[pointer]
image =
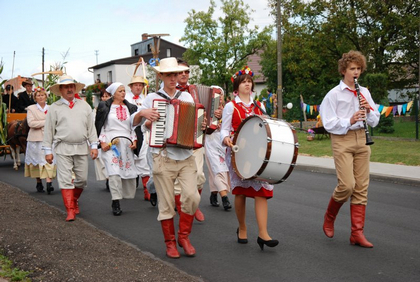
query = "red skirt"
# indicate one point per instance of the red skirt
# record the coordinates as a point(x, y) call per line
point(251, 192)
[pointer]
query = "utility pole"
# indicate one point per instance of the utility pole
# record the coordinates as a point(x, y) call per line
point(279, 67)
point(43, 60)
point(96, 53)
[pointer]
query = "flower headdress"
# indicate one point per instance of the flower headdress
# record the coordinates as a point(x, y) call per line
point(39, 89)
point(245, 70)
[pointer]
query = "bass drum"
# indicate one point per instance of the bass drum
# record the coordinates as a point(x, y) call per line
point(265, 149)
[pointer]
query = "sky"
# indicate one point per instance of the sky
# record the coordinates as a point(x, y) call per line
point(84, 27)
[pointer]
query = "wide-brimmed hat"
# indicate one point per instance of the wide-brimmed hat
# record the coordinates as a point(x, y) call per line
point(169, 65)
point(27, 81)
point(137, 79)
point(63, 80)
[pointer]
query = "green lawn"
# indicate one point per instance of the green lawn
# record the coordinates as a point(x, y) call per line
point(400, 147)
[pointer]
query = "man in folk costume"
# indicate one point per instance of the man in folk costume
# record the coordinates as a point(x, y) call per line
point(25, 98)
point(69, 129)
point(342, 113)
point(171, 163)
point(183, 85)
point(136, 96)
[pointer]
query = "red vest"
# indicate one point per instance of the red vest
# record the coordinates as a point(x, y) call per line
point(239, 114)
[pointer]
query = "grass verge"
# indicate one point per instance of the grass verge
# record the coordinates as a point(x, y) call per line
point(12, 274)
point(389, 150)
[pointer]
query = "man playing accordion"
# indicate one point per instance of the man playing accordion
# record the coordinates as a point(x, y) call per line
point(170, 163)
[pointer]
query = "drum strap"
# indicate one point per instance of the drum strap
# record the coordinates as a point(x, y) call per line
point(258, 106)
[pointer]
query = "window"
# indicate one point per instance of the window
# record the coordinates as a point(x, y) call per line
point(168, 52)
point(109, 78)
point(149, 47)
point(136, 52)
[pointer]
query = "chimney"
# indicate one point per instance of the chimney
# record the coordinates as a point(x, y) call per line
point(144, 36)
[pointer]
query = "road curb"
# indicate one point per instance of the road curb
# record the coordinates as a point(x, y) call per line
point(373, 176)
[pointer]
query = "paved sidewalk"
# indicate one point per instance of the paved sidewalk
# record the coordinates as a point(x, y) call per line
point(378, 171)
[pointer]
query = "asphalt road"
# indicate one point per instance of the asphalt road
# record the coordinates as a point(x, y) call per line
point(295, 219)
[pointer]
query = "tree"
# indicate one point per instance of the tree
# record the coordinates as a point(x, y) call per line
point(316, 33)
point(220, 47)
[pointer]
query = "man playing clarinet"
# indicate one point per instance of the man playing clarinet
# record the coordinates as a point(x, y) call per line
point(342, 115)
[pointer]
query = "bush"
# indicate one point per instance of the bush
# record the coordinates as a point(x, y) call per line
point(386, 124)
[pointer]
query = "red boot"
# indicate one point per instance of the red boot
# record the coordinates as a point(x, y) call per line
point(329, 218)
point(185, 226)
point(199, 216)
point(68, 199)
point(77, 193)
point(168, 230)
point(178, 203)
point(357, 224)
point(144, 180)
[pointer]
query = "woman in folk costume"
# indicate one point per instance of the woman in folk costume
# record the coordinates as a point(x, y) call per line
point(215, 156)
point(113, 120)
point(138, 87)
point(234, 112)
point(35, 163)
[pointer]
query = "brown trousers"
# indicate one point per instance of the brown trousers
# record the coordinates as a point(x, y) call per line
point(351, 158)
point(165, 172)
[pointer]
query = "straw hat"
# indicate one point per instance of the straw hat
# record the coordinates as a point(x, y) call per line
point(137, 79)
point(63, 80)
point(27, 81)
point(169, 65)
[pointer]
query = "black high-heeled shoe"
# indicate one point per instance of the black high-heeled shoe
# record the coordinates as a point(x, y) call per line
point(240, 241)
point(269, 243)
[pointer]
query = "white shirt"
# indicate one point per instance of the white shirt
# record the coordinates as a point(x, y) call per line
point(129, 96)
point(174, 153)
point(340, 104)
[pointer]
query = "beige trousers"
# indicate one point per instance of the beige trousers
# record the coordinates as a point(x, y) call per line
point(201, 177)
point(78, 164)
point(165, 172)
point(351, 158)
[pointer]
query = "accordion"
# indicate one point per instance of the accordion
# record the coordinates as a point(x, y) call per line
point(179, 124)
point(209, 97)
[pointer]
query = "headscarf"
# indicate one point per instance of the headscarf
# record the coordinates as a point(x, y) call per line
point(113, 87)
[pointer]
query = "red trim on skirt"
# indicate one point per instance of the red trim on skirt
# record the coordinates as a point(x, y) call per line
point(251, 193)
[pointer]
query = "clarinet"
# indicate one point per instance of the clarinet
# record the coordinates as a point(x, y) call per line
point(369, 140)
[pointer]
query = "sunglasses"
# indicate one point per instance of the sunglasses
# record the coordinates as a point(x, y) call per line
point(186, 72)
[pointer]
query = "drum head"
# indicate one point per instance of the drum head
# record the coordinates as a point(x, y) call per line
point(251, 140)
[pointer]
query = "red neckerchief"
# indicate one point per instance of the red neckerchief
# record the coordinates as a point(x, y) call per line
point(355, 95)
point(71, 104)
point(135, 97)
point(77, 96)
point(183, 88)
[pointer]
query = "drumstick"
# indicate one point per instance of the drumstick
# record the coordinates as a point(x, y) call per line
point(235, 148)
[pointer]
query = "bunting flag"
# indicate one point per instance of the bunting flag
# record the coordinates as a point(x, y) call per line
point(409, 105)
point(384, 109)
point(388, 111)
point(309, 108)
point(397, 109)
